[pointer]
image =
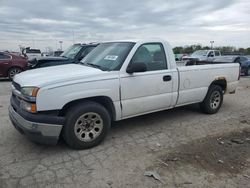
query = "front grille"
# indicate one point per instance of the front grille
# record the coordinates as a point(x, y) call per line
point(17, 86)
point(16, 99)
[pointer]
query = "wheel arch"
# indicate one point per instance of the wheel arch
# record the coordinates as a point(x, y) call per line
point(105, 101)
point(220, 81)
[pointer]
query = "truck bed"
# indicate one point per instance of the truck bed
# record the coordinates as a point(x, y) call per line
point(193, 80)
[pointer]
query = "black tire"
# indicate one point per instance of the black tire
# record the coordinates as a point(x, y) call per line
point(13, 71)
point(247, 72)
point(72, 118)
point(213, 100)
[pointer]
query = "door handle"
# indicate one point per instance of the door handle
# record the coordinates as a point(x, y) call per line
point(167, 78)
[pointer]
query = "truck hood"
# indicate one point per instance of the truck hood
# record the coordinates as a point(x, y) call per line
point(51, 75)
point(35, 61)
point(52, 58)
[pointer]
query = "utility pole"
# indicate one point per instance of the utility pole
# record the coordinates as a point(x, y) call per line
point(73, 36)
point(60, 44)
point(212, 42)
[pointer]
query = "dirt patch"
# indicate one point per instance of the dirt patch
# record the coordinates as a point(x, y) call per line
point(228, 153)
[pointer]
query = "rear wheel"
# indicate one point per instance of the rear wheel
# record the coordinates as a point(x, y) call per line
point(213, 100)
point(13, 71)
point(87, 124)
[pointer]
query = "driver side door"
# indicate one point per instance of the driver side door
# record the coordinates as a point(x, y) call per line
point(144, 92)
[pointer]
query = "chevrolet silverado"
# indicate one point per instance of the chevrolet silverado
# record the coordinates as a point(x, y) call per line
point(117, 80)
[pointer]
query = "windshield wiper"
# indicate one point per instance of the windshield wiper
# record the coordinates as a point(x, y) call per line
point(95, 66)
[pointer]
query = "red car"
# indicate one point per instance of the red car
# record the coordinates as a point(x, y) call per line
point(11, 64)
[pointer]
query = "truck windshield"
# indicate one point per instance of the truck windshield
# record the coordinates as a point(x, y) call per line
point(71, 52)
point(200, 53)
point(108, 56)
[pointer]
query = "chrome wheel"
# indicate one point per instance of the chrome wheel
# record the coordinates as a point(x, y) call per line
point(13, 72)
point(215, 100)
point(88, 126)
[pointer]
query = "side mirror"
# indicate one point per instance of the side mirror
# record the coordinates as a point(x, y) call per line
point(136, 67)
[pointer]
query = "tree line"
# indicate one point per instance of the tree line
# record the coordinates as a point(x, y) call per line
point(224, 49)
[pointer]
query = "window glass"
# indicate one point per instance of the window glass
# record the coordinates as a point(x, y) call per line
point(72, 51)
point(243, 58)
point(108, 56)
point(152, 55)
point(33, 51)
point(200, 53)
point(217, 53)
point(4, 57)
point(211, 54)
point(86, 51)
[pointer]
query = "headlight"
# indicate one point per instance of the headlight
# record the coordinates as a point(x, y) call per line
point(30, 91)
point(30, 107)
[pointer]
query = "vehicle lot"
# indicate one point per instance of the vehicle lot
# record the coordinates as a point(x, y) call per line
point(187, 148)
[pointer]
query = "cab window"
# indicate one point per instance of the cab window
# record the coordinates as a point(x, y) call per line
point(211, 54)
point(153, 55)
point(217, 53)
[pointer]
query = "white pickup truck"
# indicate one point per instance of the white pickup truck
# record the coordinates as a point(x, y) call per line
point(212, 56)
point(117, 80)
point(203, 55)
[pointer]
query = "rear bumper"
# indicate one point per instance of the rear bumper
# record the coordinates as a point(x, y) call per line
point(39, 132)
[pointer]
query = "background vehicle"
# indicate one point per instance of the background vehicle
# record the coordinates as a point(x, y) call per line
point(11, 64)
point(31, 53)
point(203, 55)
point(245, 65)
point(117, 80)
point(230, 59)
point(73, 54)
point(178, 57)
point(57, 53)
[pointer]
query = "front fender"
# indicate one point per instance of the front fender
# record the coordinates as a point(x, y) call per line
point(56, 97)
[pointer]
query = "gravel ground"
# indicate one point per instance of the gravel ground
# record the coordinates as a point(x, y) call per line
point(185, 147)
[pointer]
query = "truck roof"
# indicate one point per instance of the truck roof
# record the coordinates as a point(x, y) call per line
point(139, 40)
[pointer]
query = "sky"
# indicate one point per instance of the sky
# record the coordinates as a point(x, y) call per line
point(43, 23)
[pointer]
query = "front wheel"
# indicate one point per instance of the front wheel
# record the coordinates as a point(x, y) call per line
point(213, 100)
point(86, 126)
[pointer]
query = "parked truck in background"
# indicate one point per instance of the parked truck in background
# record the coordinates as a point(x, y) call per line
point(31, 53)
point(203, 55)
point(213, 56)
point(74, 54)
point(117, 80)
